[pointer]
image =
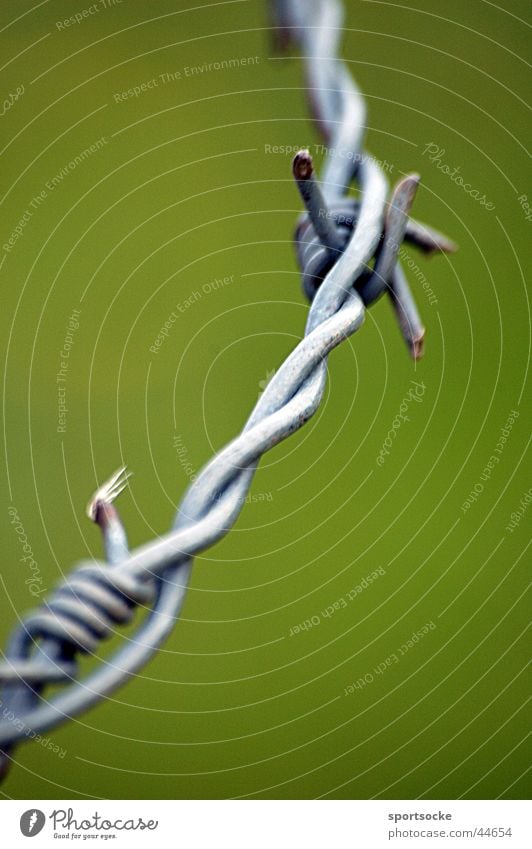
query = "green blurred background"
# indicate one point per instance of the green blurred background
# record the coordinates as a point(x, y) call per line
point(185, 190)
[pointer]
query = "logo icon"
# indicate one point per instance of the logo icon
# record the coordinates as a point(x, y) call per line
point(32, 822)
point(265, 380)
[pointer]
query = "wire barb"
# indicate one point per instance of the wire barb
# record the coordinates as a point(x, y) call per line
point(320, 216)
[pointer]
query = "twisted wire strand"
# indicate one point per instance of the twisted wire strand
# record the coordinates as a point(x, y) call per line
point(339, 282)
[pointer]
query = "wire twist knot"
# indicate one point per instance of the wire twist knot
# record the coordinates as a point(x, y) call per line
point(85, 608)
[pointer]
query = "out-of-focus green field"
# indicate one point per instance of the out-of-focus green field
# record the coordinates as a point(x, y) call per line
point(184, 206)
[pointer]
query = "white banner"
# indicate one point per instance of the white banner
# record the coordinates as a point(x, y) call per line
point(266, 824)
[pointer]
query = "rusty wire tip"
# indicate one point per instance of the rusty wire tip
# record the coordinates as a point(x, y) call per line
point(417, 346)
point(403, 195)
point(107, 493)
point(312, 197)
point(302, 165)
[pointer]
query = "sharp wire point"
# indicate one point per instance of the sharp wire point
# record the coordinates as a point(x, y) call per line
point(315, 204)
point(108, 491)
point(303, 166)
point(417, 346)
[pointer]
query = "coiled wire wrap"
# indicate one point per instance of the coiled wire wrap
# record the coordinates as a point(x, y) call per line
point(98, 597)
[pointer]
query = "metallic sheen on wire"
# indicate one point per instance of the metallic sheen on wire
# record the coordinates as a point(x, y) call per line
point(338, 279)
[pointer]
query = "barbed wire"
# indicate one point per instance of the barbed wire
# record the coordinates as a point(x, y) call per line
point(347, 250)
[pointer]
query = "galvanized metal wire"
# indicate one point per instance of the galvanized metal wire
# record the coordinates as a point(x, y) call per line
point(347, 249)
